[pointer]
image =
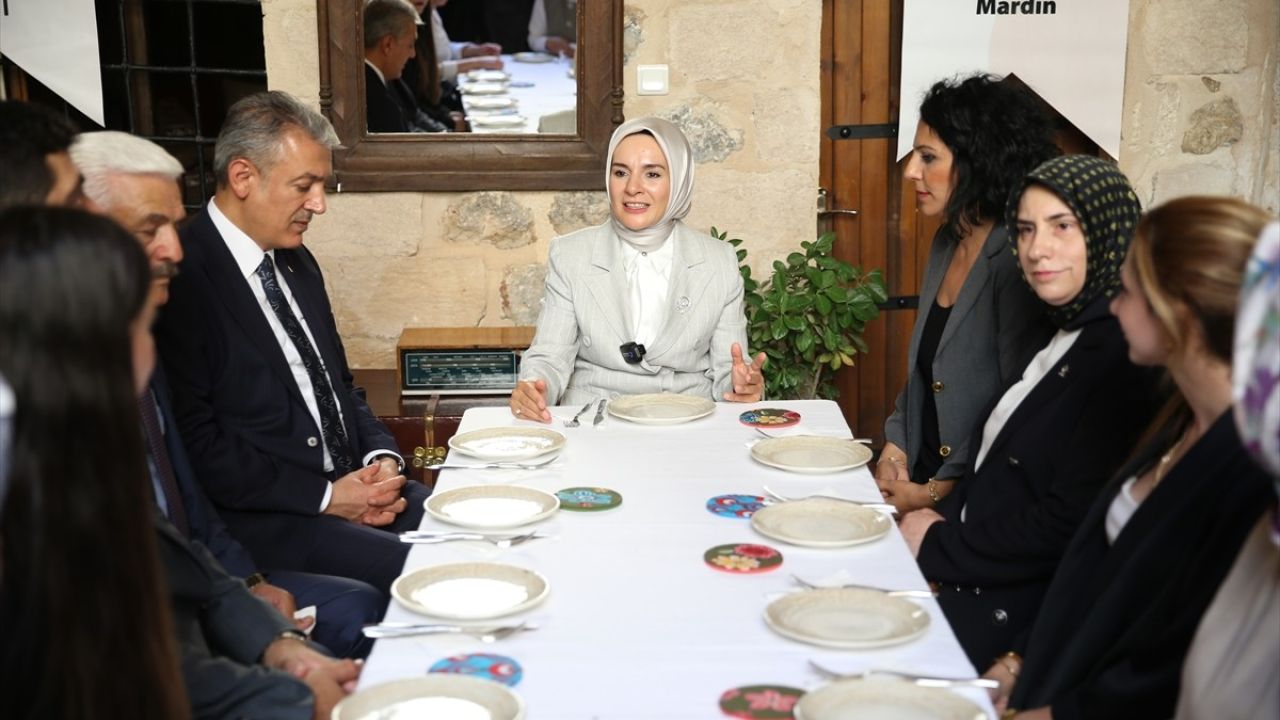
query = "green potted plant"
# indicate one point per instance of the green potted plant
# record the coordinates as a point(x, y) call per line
point(808, 317)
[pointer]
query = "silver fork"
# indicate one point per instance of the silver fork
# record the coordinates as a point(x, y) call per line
point(483, 634)
point(922, 680)
point(432, 538)
point(891, 593)
point(574, 422)
point(865, 441)
point(531, 465)
point(882, 507)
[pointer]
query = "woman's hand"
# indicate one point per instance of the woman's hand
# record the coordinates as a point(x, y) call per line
point(474, 50)
point(891, 469)
point(748, 380)
point(914, 525)
point(1002, 672)
point(529, 401)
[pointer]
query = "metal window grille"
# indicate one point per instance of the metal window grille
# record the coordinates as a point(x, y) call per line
point(170, 71)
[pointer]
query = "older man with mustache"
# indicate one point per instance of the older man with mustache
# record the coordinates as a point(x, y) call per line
point(304, 475)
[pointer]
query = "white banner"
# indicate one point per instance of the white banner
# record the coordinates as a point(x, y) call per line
point(56, 42)
point(1071, 52)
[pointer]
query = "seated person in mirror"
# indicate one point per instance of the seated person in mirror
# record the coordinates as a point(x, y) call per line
point(553, 27)
point(460, 57)
point(435, 96)
point(641, 303)
point(390, 37)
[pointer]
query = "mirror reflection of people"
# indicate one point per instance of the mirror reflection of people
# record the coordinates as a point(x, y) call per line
point(1156, 544)
point(390, 42)
point(461, 57)
point(435, 96)
point(643, 278)
point(978, 322)
point(1057, 434)
point(553, 27)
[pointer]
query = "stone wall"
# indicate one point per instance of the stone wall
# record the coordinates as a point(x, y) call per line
point(1201, 116)
point(1202, 99)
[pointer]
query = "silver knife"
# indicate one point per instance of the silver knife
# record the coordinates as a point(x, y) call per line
point(599, 414)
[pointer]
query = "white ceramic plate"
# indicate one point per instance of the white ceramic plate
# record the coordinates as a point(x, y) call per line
point(884, 699)
point(507, 444)
point(533, 57)
point(483, 88)
point(492, 507)
point(661, 408)
point(435, 696)
point(850, 618)
point(488, 76)
point(490, 102)
point(819, 522)
point(498, 121)
point(811, 454)
point(470, 591)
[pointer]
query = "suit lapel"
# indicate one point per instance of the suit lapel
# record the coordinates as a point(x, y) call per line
point(1062, 377)
point(232, 290)
point(607, 284)
point(688, 283)
point(979, 276)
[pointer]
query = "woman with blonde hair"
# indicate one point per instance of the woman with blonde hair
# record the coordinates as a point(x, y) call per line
point(1152, 551)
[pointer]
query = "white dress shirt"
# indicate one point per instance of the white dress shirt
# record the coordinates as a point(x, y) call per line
point(248, 256)
point(447, 53)
point(649, 283)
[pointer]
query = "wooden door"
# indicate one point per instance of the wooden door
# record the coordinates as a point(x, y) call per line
point(861, 52)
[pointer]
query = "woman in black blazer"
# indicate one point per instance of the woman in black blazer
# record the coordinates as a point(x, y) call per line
point(1056, 434)
point(1149, 556)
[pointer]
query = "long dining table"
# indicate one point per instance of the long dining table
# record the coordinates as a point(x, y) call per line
point(636, 624)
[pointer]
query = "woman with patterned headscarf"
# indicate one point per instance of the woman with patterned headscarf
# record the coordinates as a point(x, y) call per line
point(1058, 432)
point(641, 303)
point(1154, 547)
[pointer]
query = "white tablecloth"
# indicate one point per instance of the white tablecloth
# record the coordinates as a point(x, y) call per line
point(553, 90)
point(636, 624)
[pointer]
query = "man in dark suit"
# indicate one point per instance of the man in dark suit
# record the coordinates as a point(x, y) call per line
point(134, 182)
point(305, 476)
point(390, 37)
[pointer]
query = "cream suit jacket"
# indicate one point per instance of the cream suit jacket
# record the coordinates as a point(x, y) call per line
point(585, 318)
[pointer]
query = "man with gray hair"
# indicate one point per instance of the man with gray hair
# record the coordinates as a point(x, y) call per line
point(284, 444)
point(135, 182)
point(390, 37)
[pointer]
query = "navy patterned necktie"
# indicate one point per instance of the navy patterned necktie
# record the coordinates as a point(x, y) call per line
point(335, 435)
point(164, 467)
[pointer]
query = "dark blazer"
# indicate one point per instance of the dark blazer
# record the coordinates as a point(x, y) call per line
point(252, 441)
point(344, 605)
point(995, 326)
point(1048, 462)
point(1118, 619)
point(382, 112)
point(222, 631)
point(254, 446)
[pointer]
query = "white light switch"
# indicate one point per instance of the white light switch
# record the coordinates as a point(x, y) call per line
point(651, 79)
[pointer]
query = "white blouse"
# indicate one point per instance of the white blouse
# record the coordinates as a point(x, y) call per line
point(649, 283)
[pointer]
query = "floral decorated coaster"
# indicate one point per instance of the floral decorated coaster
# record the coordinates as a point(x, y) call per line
point(734, 506)
point(498, 668)
point(769, 418)
point(588, 499)
point(760, 702)
point(746, 558)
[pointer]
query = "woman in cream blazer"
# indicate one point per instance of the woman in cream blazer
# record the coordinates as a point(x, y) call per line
point(641, 303)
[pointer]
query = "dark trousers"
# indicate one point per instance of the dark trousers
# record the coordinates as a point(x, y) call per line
point(329, 545)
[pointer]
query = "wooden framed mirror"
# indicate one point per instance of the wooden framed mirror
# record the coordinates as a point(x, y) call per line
point(470, 161)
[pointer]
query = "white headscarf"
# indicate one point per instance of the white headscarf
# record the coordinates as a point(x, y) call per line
point(1257, 354)
point(679, 156)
